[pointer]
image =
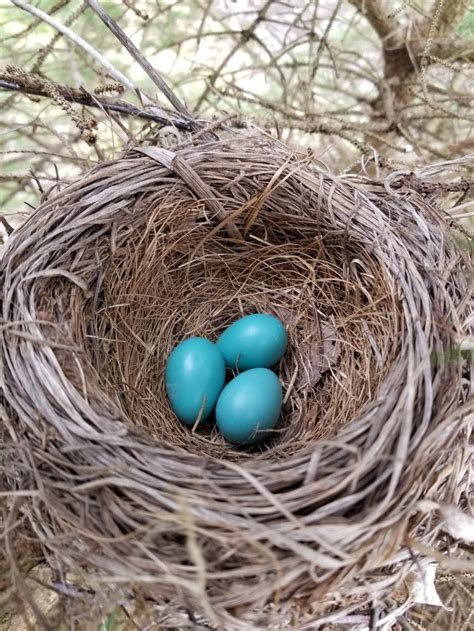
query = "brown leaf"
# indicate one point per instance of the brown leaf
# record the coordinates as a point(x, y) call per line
point(321, 350)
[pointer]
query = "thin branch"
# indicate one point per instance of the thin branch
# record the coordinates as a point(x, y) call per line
point(118, 76)
point(6, 225)
point(36, 88)
point(103, 61)
point(136, 54)
point(48, 49)
point(244, 37)
point(381, 21)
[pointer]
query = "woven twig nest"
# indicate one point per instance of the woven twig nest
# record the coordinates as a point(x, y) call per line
point(111, 272)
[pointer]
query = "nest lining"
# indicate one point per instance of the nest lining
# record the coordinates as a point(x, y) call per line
point(110, 273)
point(177, 283)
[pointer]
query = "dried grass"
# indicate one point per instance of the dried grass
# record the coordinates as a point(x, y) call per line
point(111, 272)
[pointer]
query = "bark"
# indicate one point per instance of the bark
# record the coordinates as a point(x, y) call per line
point(407, 48)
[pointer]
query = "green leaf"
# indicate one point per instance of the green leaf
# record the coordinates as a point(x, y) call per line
point(108, 623)
point(466, 26)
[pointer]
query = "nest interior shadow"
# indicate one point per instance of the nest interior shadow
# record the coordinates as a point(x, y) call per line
point(111, 272)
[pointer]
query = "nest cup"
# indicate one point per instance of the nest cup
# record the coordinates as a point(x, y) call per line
point(110, 273)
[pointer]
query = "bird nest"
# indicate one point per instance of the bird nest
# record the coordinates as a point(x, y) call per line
point(111, 272)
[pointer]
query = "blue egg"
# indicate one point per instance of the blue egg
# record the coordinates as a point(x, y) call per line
point(255, 341)
point(249, 406)
point(195, 376)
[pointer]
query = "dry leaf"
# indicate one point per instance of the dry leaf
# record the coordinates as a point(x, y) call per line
point(322, 350)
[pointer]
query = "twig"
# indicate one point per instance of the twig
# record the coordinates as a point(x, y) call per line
point(118, 76)
point(245, 36)
point(6, 225)
point(136, 54)
point(83, 98)
point(103, 61)
point(47, 50)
